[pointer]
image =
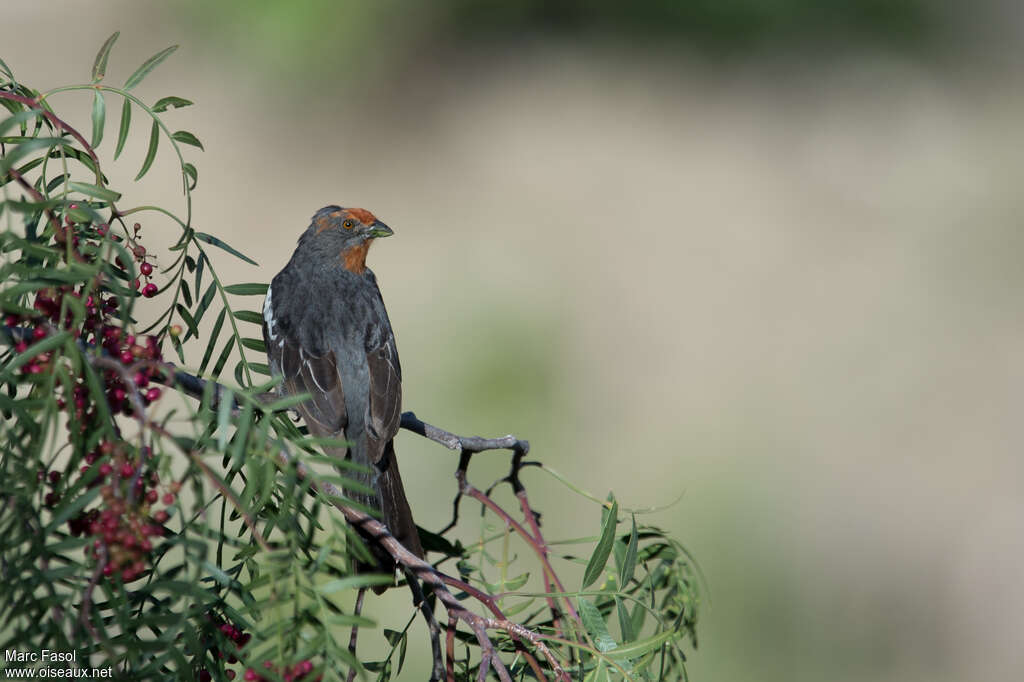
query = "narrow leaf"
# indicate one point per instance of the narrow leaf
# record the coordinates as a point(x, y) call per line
point(625, 624)
point(186, 137)
point(126, 121)
point(213, 340)
point(165, 103)
point(210, 239)
point(629, 563)
point(154, 140)
point(99, 66)
point(252, 289)
point(254, 344)
point(95, 191)
point(604, 548)
point(249, 316)
point(640, 648)
point(148, 66)
point(190, 171)
point(99, 117)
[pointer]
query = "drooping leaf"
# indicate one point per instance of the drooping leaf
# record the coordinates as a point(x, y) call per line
point(154, 141)
point(629, 562)
point(148, 66)
point(126, 121)
point(99, 117)
point(186, 137)
point(190, 171)
point(603, 549)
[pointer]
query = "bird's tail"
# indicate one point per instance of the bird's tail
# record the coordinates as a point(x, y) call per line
point(389, 498)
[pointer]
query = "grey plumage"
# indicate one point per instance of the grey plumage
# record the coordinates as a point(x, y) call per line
point(327, 333)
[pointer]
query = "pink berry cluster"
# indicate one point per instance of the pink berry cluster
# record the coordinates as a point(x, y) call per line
point(291, 673)
point(127, 522)
point(237, 639)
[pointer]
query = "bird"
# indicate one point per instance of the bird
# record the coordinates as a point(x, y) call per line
point(327, 333)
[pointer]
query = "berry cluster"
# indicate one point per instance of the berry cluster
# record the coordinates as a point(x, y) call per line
point(235, 636)
point(127, 521)
point(291, 673)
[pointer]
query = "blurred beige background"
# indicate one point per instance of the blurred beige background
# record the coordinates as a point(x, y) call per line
point(779, 278)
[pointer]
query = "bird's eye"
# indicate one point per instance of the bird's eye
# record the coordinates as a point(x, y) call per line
point(349, 224)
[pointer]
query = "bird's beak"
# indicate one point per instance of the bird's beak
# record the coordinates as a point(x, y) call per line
point(379, 229)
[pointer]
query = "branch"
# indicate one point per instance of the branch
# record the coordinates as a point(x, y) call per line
point(426, 573)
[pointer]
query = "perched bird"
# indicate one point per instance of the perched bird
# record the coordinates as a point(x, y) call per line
point(327, 334)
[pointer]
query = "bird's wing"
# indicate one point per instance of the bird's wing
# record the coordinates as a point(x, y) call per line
point(304, 372)
point(385, 405)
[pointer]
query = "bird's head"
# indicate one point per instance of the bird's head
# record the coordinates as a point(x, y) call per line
point(343, 234)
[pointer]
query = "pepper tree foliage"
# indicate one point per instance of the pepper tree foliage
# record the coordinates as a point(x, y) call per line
point(160, 531)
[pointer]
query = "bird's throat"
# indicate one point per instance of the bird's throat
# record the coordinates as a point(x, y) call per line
point(354, 257)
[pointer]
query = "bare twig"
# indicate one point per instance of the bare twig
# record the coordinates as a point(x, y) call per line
point(357, 610)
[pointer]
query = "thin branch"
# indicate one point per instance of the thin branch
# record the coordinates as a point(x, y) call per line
point(379, 534)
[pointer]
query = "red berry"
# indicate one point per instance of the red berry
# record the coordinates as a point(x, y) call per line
point(105, 469)
point(139, 250)
point(153, 394)
point(250, 675)
point(39, 333)
point(54, 477)
point(127, 470)
point(149, 291)
point(126, 357)
point(161, 516)
point(152, 496)
point(146, 269)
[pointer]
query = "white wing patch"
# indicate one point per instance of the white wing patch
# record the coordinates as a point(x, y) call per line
point(268, 316)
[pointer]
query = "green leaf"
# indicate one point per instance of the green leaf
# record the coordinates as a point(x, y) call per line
point(223, 357)
point(12, 156)
point(99, 117)
point(604, 547)
point(629, 563)
point(252, 289)
point(99, 65)
point(165, 103)
point(625, 623)
point(186, 137)
point(595, 625)
point(249, 316)
point(190, 171)
point(213, 340)
point(599, 673)
point(254, 344)
point(187, 318)
point(95, 191)
point(220, 244)
point(154, 140)
point(126, 121)
point(148, 66)
point(640, 648)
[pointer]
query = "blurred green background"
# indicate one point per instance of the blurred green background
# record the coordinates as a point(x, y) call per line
point(763, 254)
